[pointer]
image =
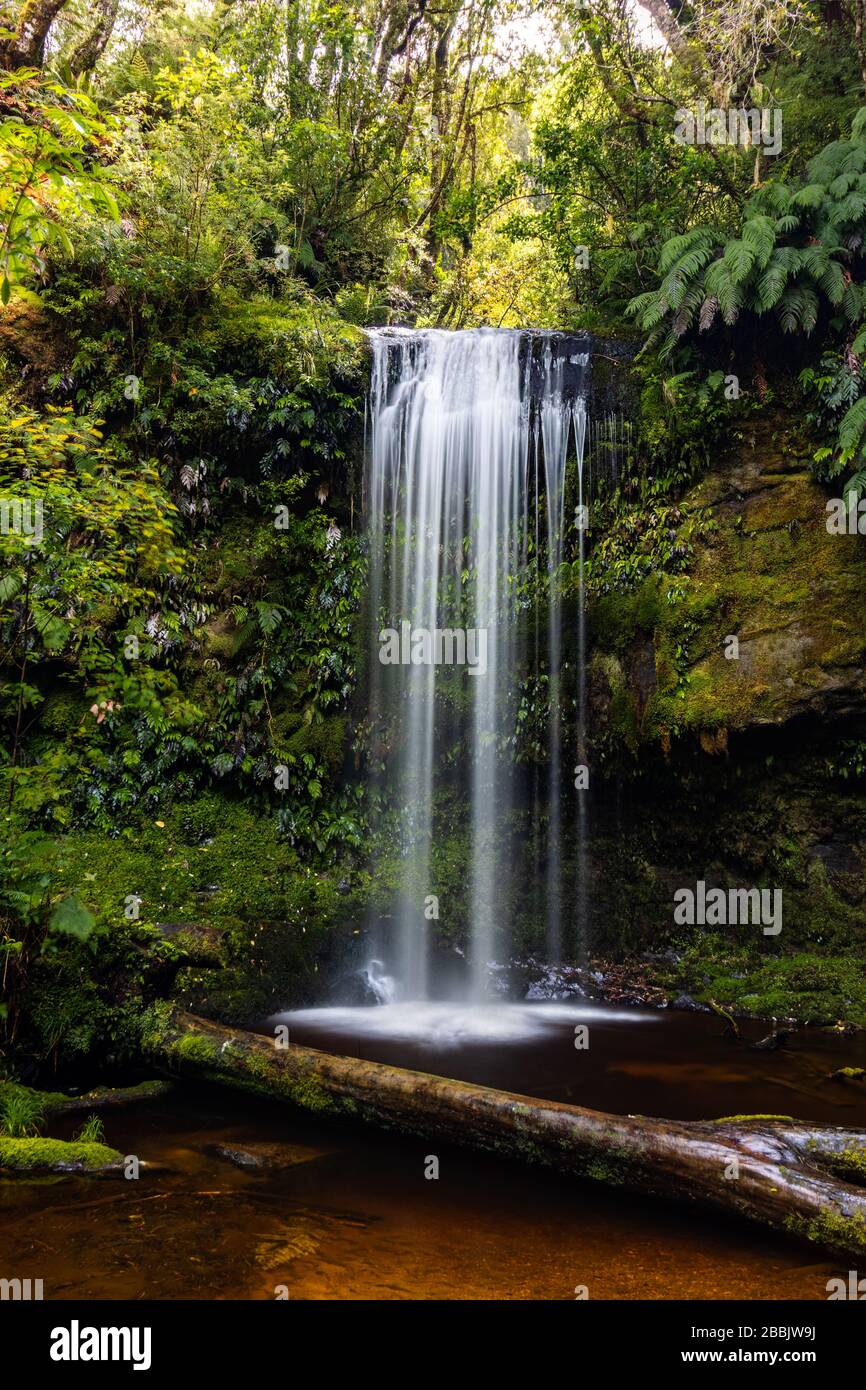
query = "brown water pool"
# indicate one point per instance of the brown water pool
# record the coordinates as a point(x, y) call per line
point(350, 1214)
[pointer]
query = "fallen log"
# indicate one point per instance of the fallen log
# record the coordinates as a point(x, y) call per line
point(769, 1169)
point(110, 1097)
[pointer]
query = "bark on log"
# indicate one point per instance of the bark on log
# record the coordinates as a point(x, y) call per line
point(771, 1170)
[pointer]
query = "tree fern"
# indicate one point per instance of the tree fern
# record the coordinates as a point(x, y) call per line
point(739, 259)
point(812, 196)
point(726, 291)
point(759, 234)
point(855, 160)
point(641, 303)
point(842, 184)
point(772, 283)
point(851, 209)
point(832, 282)
point(684, 318)
point(856, 484)
point(798, 248)
point(798, 309)
point(709, 309)
point(852, 428)
point(815, 259)
point(852, 302)
point(674, 249)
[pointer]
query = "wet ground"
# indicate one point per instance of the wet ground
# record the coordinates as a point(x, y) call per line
point(340, 1212)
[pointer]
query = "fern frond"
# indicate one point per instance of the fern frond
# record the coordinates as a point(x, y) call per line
point(852, 426)
point(759, 234)
point(739, 258)
point(772, 283)
point(678, 245)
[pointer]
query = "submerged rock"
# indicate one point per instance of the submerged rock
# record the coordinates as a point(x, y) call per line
point(266, 1156)
point(689, 1005)
point(772, 1042)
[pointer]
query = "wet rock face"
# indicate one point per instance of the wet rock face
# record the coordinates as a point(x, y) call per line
point(787, 588)
point(737, 762)
point(768, 574)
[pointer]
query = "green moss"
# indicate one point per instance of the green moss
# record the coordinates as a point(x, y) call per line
point(843, 1234)
point(309, 1095)
point(787, 593)
point(850, 1164)
point(765, 570)
point(194, 1048)
point(304, 1091)
point(324, 738)
point(55, 1154)
point(744, 1119)
point(602, 1171)
point(804, 986)
point(12, 1090)
point(154, 1026)
point(60, 713)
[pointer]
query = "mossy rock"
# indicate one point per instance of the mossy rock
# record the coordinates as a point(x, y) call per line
point(295, 735)
point(57, 1156)
point(769, 575)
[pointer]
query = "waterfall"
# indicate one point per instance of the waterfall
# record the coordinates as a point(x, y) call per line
point(465, 492)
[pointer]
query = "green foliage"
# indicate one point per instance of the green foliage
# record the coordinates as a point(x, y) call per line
point(795, 255)
point(69, 918)
point(22, 1112)
point(211, 215)
point(91, 1132)
point(47, 176)
point(683, 417)
point(799, 262)
point(75, 594)
point(644, 541)
point(849, 760)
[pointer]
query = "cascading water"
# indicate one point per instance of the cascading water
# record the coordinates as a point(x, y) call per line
point(465, 493)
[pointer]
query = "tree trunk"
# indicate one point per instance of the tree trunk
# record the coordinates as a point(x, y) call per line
point(769, 1169)
point(687, 54)
point(860, 36)
point(26, 47)
point(92, 46)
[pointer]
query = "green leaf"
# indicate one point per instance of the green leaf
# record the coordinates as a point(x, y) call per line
point(812, 196)
point(760, 236)
point(69, 918)
point(852, 426)
point(674, 249)
point(728, 294)
point(832, 282)
point(771, 284)
point(739, 258)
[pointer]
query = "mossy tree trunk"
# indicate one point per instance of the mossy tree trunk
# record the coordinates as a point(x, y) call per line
point(772, 1170)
